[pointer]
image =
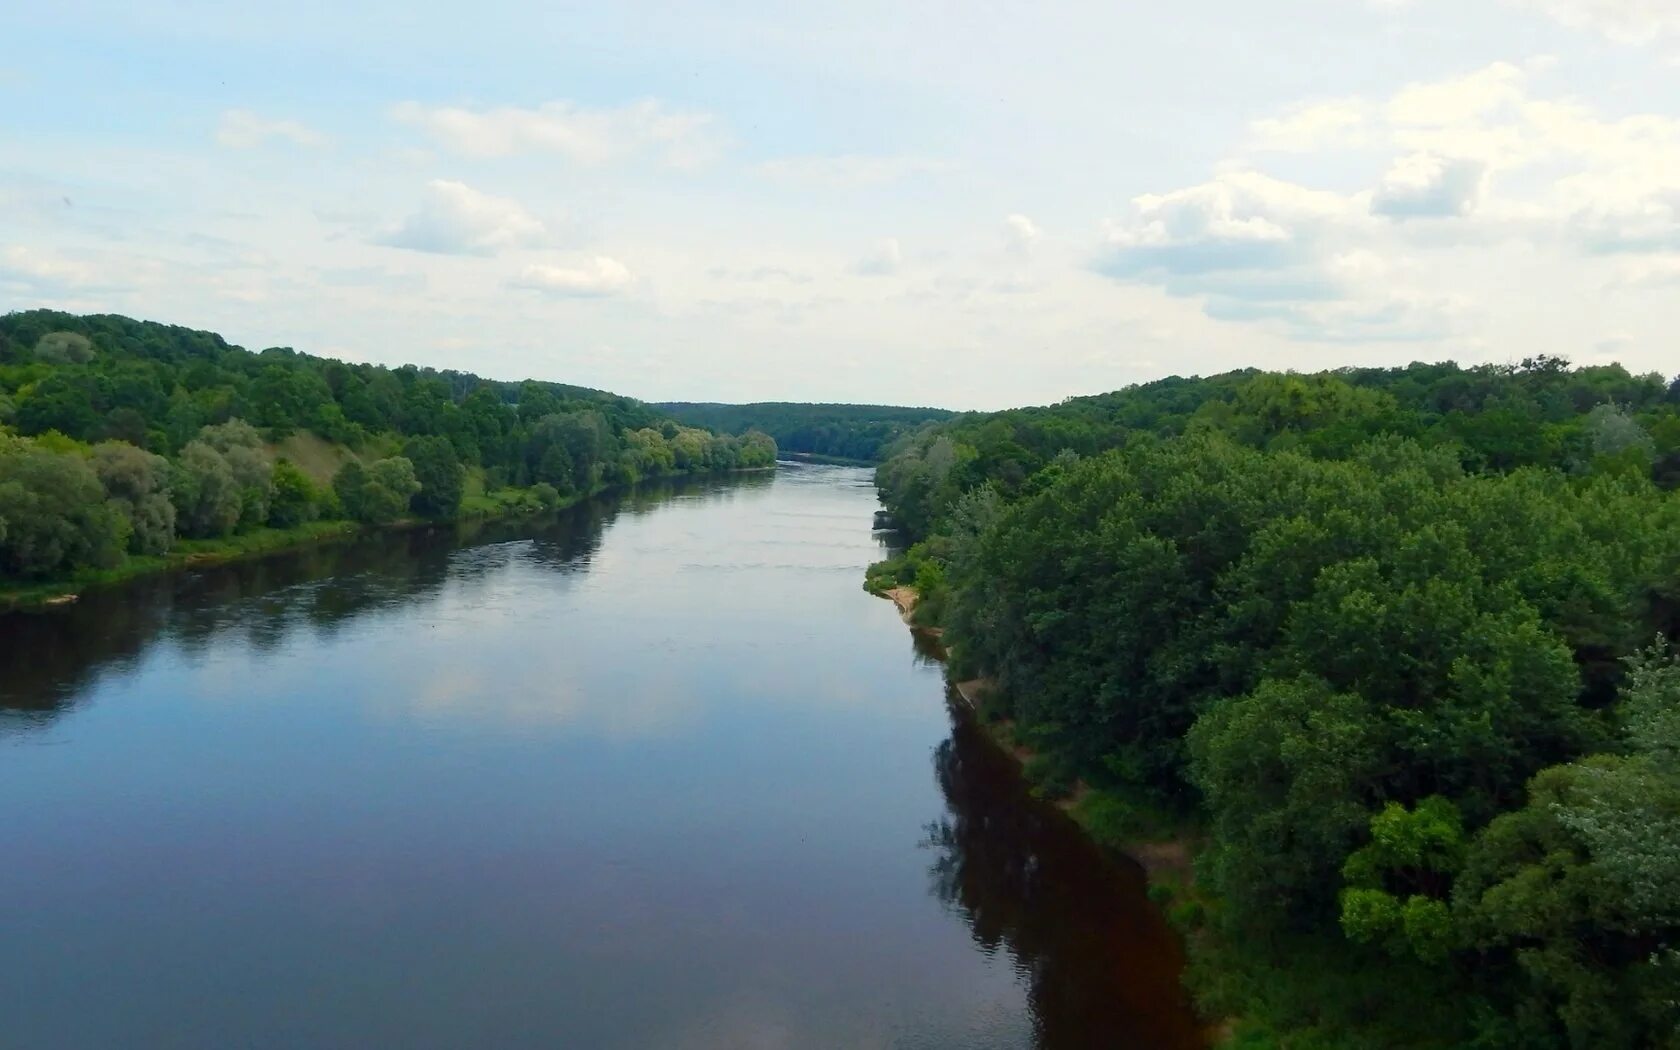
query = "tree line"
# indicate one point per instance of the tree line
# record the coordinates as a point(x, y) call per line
point(857, 432)
point(1397, 642)
point(117, 437)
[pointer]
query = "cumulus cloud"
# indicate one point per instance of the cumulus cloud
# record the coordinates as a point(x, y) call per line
point(242, 129)
point(1485, 157)
point(1256, 249)
point(1423, 185)
point(1238, 221)
point(455, 219)
point(1019, 233)
point(848, 170)
point(594, 278)
point(582, 134)
point(886, 259)
point(1624, 21)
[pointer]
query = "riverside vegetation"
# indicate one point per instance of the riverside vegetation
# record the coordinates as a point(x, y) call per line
point(128, 445)
point(854, 433)
point(1390, 647)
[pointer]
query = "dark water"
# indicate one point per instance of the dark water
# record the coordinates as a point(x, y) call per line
point(655, 774)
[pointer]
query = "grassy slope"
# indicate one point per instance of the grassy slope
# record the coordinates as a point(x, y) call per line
point(314, 455)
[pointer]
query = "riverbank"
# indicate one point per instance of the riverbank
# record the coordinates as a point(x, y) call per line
point(261, 542)
point(1163, 847)
point(825, 460)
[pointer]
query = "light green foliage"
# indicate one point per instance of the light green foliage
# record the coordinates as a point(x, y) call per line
point(64, 348)
point(546, 496)
point(207, 499)
point(1397, 881)
point(1618, 440)
point(295, 500)
point(70, 382)
point(385, 494)
point(56, 514)
point(138, 483)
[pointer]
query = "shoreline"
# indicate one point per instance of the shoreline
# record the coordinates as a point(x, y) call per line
point(1166, 860)
point(264, 542)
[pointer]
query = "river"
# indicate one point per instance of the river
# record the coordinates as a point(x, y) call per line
point(655, 772)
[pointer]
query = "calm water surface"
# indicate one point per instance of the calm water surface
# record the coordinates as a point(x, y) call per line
point(656, 773)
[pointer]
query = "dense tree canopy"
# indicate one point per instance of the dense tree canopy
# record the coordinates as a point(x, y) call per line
point(1385, 634)
point(118, 436)
point(857, 432)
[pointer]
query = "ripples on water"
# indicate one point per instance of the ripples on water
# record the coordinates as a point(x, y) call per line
point(653, 772)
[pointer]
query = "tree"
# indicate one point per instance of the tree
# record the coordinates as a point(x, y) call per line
point(56, 516)
point(295, 500)
point(64, 348)
point(440, 474)
point(207, 499)
point(348, 484)
point(386, 491)
point(138, 483)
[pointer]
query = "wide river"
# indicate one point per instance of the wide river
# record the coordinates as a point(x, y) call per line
point(652, 773)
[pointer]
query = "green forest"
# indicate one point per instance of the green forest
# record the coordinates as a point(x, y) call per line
point(124, 441)
point(1390, 648)
point(854, 432)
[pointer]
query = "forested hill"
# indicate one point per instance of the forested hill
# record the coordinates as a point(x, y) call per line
point(118, 437)
point(848, 431)
point(1398, 642)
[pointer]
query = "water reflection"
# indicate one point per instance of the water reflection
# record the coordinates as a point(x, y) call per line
point(52, 657)
point(1099, 962)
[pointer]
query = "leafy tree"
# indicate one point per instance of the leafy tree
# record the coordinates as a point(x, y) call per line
point(440, 474)
point(137, 482)
point(56, 515)
point(64, 348)
point(347, 485)
point(385, 494)
point(207, 497)
point(294, 499)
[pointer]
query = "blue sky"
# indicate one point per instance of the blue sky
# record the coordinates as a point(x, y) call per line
point(968, 205)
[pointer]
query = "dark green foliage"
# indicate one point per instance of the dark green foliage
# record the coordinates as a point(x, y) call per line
point(857, 432)
point(215, 412)
point(1369, 628)
point(54, 515)
point(438, 470)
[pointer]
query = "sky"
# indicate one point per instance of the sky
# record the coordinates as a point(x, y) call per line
point(966, 205)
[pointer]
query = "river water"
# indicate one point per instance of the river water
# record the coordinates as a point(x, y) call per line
point(653, 773)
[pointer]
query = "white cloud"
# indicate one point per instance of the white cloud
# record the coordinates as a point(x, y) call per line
point(1484, 156)
point(599, 276)
point(1312, 127)
point(1624, 21)
point(1240, 220)
point(27, 268)
point(242, 129)
point(588, 136)
point(1019, 233)
point(848, 170)
point(455, 219)
point(1423, 185)
point(886, 259)
point(1662, 271)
